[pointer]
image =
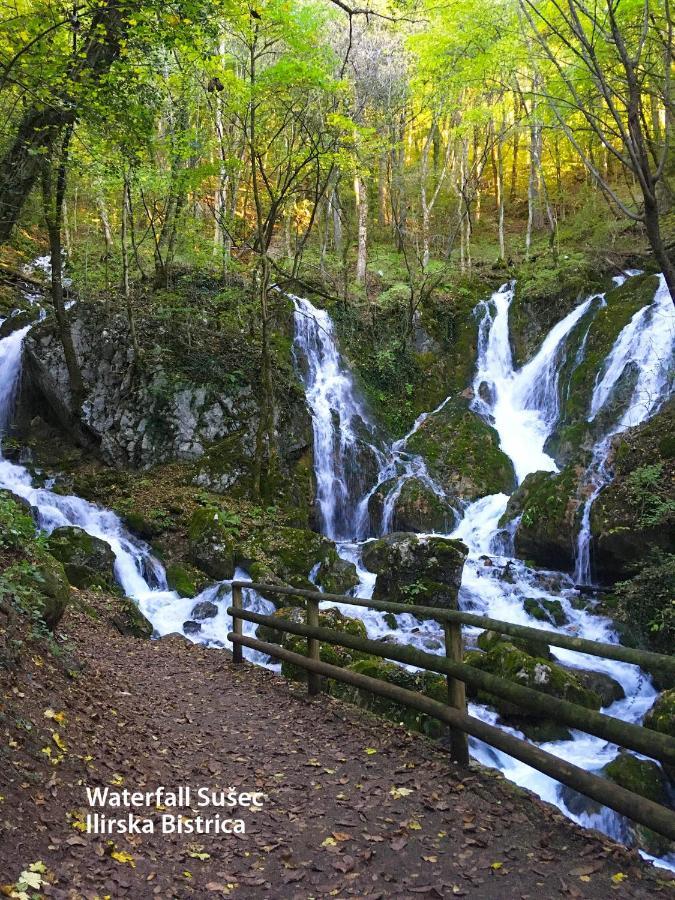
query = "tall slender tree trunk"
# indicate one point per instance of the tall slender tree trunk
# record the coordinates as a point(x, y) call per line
point(361, 198)
point(126, 286)
point(54, 170)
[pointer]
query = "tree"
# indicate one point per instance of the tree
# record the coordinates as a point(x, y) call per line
point(611, 64)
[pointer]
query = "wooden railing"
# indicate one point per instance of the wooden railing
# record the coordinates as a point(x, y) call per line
point(459, 674)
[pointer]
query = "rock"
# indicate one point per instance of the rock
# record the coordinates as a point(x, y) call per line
point(646, 778)
point(607, 688)
point(428, 683)
point(548, 506)
point(507, 661)
point(390, 620)
point(129, 620)
point(328, 653)
point(291, 613)
point(88, 561)
point(545, 610)
point(541, 731)
point(462, 452)
point(191, 627)
point(486, 640)
point(18, 320)
point(337, 576)
point(49, 579)
point(423, 571)
point(417, 508)
point(185, 580)
point(211, 543)
point(661, 717)
point(204, 610)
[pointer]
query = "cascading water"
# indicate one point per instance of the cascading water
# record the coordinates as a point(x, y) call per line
point(645, 347)
point(523, 405)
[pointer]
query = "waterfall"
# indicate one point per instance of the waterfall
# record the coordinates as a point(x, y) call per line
point(647, 346)
point(522, 404)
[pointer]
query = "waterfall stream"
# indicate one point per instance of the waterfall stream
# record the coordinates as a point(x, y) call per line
point(353, 460)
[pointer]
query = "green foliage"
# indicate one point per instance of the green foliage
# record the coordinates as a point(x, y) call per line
point(649, 494)
point(646, 601)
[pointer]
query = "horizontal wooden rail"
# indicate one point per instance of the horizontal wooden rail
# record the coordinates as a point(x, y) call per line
point(643, 658)
point(635, 807)
point(625, 734)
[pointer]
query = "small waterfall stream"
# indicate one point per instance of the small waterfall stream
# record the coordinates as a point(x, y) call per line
point(353, 460)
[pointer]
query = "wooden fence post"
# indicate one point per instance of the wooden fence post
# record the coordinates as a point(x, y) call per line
point(237, 624)
point(456, 692)
point(313, 680)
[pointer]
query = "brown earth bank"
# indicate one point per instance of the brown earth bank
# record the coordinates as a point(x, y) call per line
point(354, 807)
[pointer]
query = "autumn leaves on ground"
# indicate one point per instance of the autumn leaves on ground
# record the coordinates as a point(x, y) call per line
point(354, 807)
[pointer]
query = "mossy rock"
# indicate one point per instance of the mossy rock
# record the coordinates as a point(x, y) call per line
point(50, 580)
point(541, 731)
point(607, 688)
point(332, 654)
point(661, 717)
point(428, 683)
point(548, 507)
point(645, 778)
point(212, 543)
point(88, 561)
point(486, 640)
point(417, 570)
point(507, 661)
point(185, 579)
point(545, 610)
point(129, 620)
point(417, 508)
point(337, 576)
point(462, 452)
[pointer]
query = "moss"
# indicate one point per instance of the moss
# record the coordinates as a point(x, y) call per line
point(129, 620)
point(661, 717)
point(186, 580)
point(212, 542)
point(428, 683)
point(545, 610)
point(462, 452)
point(486, 640)
point(88, 561)
point(507, 661)
point(641, 776)
point(329, 653)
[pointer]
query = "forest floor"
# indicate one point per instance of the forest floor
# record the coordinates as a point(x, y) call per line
point(355, 806)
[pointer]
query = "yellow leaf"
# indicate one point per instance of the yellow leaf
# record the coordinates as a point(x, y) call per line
point(584, 878)
point(187, 874)
point(121, 856)
point(619, 877)
point(370, 751)
point(431, 859)
point(58, 740)
point(496, 865)
point(328, 842)
point(116, 779)
point(397, 792)
point(414, 826)
point(59, 717)
point(38, 866)
point(196, 855)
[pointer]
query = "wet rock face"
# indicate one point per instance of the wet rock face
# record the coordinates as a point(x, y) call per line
point(416, 508)
point(88, 561)
point(141, 416)
point(423, 571)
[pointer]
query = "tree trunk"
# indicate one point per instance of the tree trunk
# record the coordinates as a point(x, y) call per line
point(53, 194)
point(653, 227)
point(361, 197)
point(126, 287)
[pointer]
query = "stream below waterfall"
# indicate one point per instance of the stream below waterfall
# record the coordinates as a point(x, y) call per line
point(523, 406)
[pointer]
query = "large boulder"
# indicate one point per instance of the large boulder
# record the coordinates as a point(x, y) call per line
point(332, 654)
point(52, 587)
point(462, 452)
point(548, 507)
point(186, 580)
point(422, 571)
point(88, 561)
point(646, 778)
point(661, 717)
point(508, 661)
point(212, 542)
point(417, 507)
point(129, 620)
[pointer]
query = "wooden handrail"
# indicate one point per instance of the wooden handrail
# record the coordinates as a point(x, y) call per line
point(643, 658)
point(646, 812)
point(651, 743)
point(626, 734)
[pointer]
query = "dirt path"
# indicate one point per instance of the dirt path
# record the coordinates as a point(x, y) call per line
point(355, 807)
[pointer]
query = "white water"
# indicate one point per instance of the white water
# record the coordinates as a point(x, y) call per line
point(646, 348)
point(523, 405)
